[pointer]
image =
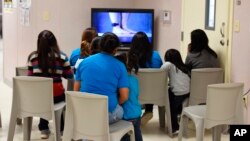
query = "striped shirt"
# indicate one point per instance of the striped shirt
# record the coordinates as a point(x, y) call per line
point(62, 69)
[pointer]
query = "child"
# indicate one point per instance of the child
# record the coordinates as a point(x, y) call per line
point(132, 107)
point(179, 84)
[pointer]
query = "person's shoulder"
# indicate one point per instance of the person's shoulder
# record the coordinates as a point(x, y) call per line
point(76, 51)
point(132, 78)
point(167, 65)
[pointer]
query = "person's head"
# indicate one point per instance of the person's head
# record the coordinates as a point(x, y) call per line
point(47, 50)
point(199, 40)
point(89, 34)
point(95, 45)
point(141, 46)
point(85, 49)
point(174, 56)
point(109, 43)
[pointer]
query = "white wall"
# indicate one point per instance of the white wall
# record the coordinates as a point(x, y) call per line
point(68, 19)
point(241, 48)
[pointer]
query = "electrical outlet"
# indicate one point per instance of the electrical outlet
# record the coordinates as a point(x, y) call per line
point(245, 100)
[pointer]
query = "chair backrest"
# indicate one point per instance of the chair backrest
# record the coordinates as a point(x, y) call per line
point(87, 114)
point(70, 84)
point(153, 85)
point(22, 71)
point(33, 96)
point(200, 79)
point(224, 104)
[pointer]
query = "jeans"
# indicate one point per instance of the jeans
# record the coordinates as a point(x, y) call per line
point(116, 115)
point(44, 124)
point(137, 129)
point(176, 108)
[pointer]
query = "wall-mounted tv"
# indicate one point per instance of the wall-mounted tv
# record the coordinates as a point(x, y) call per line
point(123, 22)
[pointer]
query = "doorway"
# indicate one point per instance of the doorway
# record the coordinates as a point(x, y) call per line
point(193, 17)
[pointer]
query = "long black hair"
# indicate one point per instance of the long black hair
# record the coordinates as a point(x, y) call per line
point(174, 56)
point(199, 41)
point(142, 48)
point(47, 51)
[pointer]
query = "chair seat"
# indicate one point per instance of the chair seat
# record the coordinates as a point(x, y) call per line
point(197, 112)
point(120, 128)
point(120, 125)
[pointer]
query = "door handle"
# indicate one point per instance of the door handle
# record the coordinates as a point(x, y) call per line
point(222, 30)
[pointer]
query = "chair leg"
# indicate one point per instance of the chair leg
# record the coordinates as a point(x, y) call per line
point(132, 135)
point(27, 126)
point(216, 133)
point(12, 126)
point(199, 127)
point(181, 128)
point(161, 112)
point(57, 124)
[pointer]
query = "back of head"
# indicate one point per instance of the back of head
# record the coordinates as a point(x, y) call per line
point(174, 56)
point(47, 49)
point(89, 34)
point(109, 42)
point(142, 48)
point(199, 40)
point(95, 45)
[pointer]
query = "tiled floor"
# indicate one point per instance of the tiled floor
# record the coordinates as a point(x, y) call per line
point(151, 132)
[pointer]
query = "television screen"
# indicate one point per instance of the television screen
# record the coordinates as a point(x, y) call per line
point(123, 22)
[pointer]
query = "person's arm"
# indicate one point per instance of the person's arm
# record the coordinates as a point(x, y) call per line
point(77, 85)
point(67, 71)
point(123, 92)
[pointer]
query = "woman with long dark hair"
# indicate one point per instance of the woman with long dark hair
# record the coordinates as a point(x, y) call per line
point(200, 55)
point(148, 58)
point(49, 61)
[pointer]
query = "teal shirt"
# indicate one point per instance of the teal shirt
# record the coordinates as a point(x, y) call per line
point(132, 107)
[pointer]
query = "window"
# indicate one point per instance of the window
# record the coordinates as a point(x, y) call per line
point(210, 14)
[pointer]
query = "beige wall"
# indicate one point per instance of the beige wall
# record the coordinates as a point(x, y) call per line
point(69, 19)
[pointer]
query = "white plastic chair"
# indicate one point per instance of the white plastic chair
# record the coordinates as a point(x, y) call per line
point(21, 71)
point(33, 97)
point(224, 107)
point(200, 79)
point(153, 85)
point(87, 118)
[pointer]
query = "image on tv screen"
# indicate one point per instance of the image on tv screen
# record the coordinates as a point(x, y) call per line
point(123, 24)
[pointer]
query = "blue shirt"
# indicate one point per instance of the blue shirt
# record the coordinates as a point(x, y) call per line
point(156, 61)
point(74, 56)
point(102, 74)
point(132, 107)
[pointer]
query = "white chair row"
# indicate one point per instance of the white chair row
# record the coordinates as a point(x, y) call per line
point(33, 97)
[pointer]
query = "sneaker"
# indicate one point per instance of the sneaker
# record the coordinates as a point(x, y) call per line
point(45, 134)
point(146, 117)
point(176, 132)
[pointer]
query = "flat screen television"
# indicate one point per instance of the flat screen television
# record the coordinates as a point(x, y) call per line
point(123, 22)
